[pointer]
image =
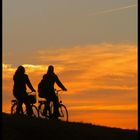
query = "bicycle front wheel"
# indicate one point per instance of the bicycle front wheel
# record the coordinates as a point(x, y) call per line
point(63, 113)
point(35, 111)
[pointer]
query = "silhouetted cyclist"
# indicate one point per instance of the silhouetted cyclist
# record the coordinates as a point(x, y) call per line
point(19, 89)
point(49, 80)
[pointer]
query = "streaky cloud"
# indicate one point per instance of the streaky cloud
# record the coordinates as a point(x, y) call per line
point(113, 10)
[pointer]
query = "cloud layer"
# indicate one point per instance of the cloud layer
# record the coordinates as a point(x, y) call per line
point(99, 77)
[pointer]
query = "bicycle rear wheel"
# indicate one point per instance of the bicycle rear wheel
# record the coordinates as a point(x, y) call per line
point(14, 109)
point(45, 113)
point(35, 112)
point(41, 109)
point(63, 113)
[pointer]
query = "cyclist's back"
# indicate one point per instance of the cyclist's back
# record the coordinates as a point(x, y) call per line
point(19, 88)
point(49, 80)
point(20, 82)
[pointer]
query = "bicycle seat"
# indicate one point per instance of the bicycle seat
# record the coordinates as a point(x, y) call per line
point(14, 100)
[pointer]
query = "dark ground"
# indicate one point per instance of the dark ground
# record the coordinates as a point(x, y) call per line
point(23, 128)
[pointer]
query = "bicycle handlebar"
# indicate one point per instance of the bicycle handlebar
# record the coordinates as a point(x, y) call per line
point(59, 90)
point(31, 93)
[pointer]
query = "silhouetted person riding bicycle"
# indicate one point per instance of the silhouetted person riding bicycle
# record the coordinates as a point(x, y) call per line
point(49, 80)
point(19, 90)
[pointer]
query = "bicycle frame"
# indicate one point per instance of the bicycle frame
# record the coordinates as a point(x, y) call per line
point(45, 104)
point(57, 94)
point(22, 111)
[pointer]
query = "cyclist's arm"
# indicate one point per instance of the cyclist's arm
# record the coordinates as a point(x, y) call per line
point(58, 82)
point(29, 84)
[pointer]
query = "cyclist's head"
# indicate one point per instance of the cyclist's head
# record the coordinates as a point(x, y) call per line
point(50, 69)
point(20, 70)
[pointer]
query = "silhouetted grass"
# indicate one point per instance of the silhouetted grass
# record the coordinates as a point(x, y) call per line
point(24, 128)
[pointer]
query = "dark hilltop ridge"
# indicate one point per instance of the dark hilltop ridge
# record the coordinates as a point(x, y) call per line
point(24, 128)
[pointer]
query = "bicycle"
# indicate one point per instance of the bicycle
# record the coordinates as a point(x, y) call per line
point(32, 99)
point(49, 109)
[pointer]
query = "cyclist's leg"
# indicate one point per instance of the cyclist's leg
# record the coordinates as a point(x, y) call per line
point(28, 106)
point(49, 109)
point(19, 107)
point(56, 106)
point(45, 109)
point(46, 106)
point(19, 99)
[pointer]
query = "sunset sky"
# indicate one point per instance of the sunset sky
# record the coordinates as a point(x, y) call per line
point(93, 47)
